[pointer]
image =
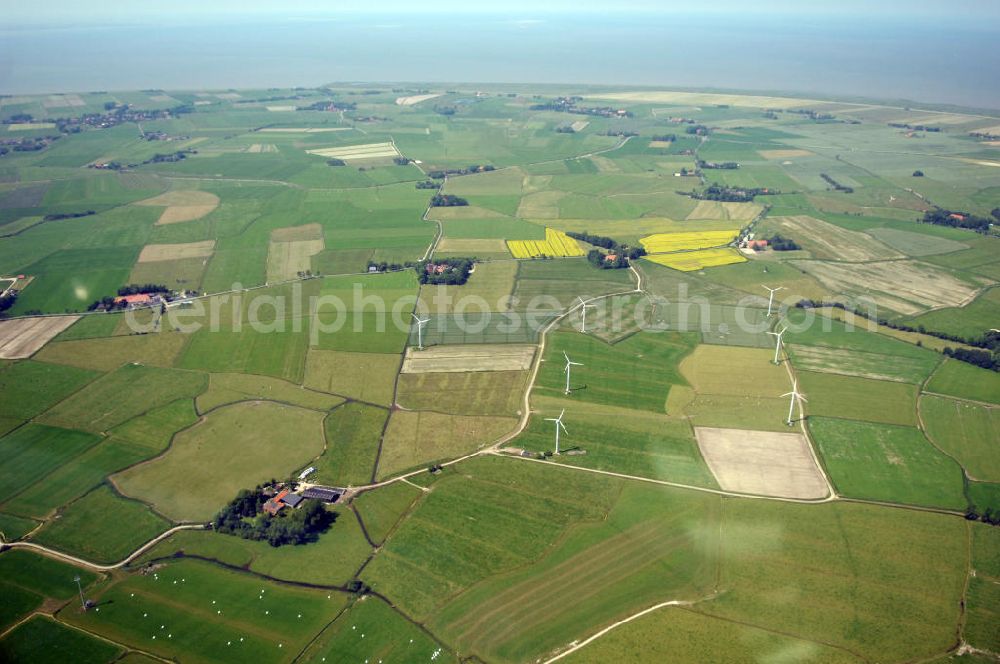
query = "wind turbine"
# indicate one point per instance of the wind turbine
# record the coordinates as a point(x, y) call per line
point(777, 342)
point(420, 330)
point(569, 364)
point(770, 297)
point(583, 311)
point(794, 394)
point(559, 424)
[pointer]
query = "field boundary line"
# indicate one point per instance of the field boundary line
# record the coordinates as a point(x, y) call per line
point(678, 485)
point(831, 489)
point(656, 607)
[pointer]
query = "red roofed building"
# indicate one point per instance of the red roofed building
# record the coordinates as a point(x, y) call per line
point(138, 298)
point(955, 215)
point(757, 244)
point(274, 505)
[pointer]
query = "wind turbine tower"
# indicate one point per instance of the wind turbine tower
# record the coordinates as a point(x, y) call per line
point(777, 342)
point(559, 425)
point(770, 297)
point(569, 365)
point(583, 312)
point(420, 330)
point(795, 395)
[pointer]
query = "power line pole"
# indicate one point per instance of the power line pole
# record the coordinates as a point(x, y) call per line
point(83, 602)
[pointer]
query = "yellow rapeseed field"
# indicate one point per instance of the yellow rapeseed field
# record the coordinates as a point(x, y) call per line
point(556, 243)
point(689, 261)
point(664, 242)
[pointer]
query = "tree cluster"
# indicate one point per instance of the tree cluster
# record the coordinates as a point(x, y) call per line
point(698, 130)
point(67, 215)
point(244, 517)
point(428, 184)
point(664, 138)
point(448, 200)
point(133, 289)
point(8, 301)
point(622, 252)
point(453, 271)
point(333, 161)
point(980, 358)
point(440, 174)
point(718, 165)
point(402, 161)
point(988, 516)
point(836, 185)
point(942, 217)
point(329, 106)
point(728, 194)
point(780, 243)
point(917, 127)
point(383, 266)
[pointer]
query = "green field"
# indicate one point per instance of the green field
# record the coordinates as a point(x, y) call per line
point(849, 397)
point(654, 543)
point(123, 394)
point(225, 389)
point(91, 527)
point(849, 576)
point(966, 431)
point(207, 612)
point(885, 462)
point(960, 380)
point(680, 634)
point(419, 438)
point(35, 450)
point(463, 393)
point(235, 447)
point(331, 560)
point(257, 370)
point(29, 388)
point(366, 377)
point(371, 630)
point(635, 373)
point(45, 640)
point(507, 511)
point(353, 434)
point(383, 508)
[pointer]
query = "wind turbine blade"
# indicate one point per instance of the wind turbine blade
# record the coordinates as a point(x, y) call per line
point(563, 412)
point(567, 357)
point(786, 394)
point(563, 426)
point(802, 398)
point(415, 317)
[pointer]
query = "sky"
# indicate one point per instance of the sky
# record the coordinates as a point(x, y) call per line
point(123, 11)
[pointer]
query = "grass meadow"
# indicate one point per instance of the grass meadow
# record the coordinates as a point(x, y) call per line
point(204, 616)
point(886, 462)
point(91, 527)
point(965, 431)
point(231, 448)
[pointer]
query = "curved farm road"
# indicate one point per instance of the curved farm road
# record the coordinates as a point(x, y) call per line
point(96, 566)
point(656, 607)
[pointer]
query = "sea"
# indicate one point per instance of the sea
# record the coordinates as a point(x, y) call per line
point(954, 61)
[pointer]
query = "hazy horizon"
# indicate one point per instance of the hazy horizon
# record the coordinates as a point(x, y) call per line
point(860, 54)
